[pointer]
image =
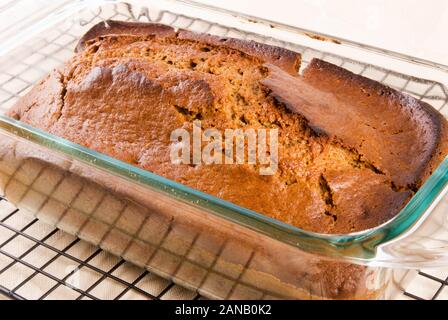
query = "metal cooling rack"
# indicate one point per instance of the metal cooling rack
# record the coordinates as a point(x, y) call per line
point(428, 285)
point(40, 262)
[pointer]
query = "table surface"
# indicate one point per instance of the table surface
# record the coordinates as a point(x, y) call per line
point(413, 27)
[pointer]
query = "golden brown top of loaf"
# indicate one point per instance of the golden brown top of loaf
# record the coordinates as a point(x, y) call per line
point(399, 136)
point(130, 85)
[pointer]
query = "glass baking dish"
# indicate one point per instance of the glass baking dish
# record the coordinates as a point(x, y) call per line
point(199, 241)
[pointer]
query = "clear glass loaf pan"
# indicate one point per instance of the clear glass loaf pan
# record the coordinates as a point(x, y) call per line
point(201, 242)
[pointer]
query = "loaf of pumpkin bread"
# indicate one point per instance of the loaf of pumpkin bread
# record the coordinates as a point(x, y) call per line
point(351, 152)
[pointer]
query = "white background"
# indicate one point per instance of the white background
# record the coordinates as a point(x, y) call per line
point(414, 27)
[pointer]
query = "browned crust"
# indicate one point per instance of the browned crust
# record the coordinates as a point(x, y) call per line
point(111, 27)
point(288, 60)
point(396, 134)
point(434, 125)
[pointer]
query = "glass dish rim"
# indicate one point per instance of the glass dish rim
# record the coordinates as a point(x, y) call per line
point(369, 239)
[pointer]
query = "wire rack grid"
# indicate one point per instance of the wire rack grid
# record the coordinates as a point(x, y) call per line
point(40, 262)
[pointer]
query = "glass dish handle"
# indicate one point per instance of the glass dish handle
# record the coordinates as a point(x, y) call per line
point(425, 243)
